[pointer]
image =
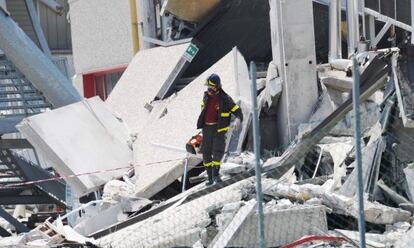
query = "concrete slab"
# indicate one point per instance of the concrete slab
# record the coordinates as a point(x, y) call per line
point(141, 81)
point(177, 125)
point(80, 138)
point(234, 226)
point(180, 226)
point(282, 226)
point(340, 204)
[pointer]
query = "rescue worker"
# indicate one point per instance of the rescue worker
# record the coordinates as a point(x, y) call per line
point(216, 110)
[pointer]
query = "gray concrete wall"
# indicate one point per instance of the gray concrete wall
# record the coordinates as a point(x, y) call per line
point(293, 47)
point(101, 34)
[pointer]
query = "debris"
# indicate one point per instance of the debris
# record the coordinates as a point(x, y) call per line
point(168, 228)
point(374, 211)
point(81, 138)
point(224, 237)
point(371, 160)
point(278, 221)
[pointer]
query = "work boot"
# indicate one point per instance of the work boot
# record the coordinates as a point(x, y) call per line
point(210, 176)
point(216, 174)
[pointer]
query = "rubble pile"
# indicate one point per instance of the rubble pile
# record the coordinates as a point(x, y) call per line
point(132, 183)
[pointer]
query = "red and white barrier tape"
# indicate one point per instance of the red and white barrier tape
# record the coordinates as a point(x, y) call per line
point(13, 185)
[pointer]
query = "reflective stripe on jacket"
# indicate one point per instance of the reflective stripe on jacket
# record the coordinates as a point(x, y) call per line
point(227, 107)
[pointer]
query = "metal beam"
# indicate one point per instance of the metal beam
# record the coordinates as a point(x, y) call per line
point(55, 189)
point(35, 65)
point(8, 124)
point(384, 18)
point(4, 233)
point(34, 19)
point(412, 22)
point(20, 228)
point(25, 200)
point(15, 144)
point(381, 34)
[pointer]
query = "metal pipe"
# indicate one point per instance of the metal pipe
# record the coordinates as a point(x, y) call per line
point(185, 174)
point(34, 64)
point(256, 142)
point(134, 26)
point(352, 19)
point(334, 30)
point(358, 157)
point(364, 27)
point(412, 22)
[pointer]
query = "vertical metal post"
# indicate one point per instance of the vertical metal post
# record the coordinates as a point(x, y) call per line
point(352, 19)
point(412, 22)
point(185, 174)
point(334, 30)
point(358, 157)
point(364, 25)
point(256, 142)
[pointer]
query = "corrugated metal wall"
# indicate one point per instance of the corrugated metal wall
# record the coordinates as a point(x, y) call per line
point(19, 13)
point(56, 28)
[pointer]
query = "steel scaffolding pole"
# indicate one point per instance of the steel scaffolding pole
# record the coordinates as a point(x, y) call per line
point(34, 64)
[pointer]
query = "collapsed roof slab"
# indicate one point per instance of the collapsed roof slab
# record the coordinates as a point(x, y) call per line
point(179, 124)
point(140, 83)
point(81, 138)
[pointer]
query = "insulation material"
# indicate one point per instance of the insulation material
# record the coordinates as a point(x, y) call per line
point(81, 138)
point(176, 127)
point(140, 83)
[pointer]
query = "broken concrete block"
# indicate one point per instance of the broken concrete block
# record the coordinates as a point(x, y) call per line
point(273, 87)
point(224, 238)
point(339, 152)
point(336, 80)
point(371, 160)
point(115, 190)
point(175, 128)
point(81, 138)
point(409, 175)
point(227, 214)
point(406, 240)
point(282, 226)
point(140, 83)
point(374, 211)
point(182, 225)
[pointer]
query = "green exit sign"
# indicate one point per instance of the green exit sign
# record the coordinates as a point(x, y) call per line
point(191, 52)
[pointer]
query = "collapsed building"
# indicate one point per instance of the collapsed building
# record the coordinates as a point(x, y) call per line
point(126, 180)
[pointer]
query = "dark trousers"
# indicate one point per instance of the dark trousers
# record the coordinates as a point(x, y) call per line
point(213, 146)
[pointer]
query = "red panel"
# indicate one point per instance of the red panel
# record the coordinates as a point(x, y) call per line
point(94, 82)
point(89, 88)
